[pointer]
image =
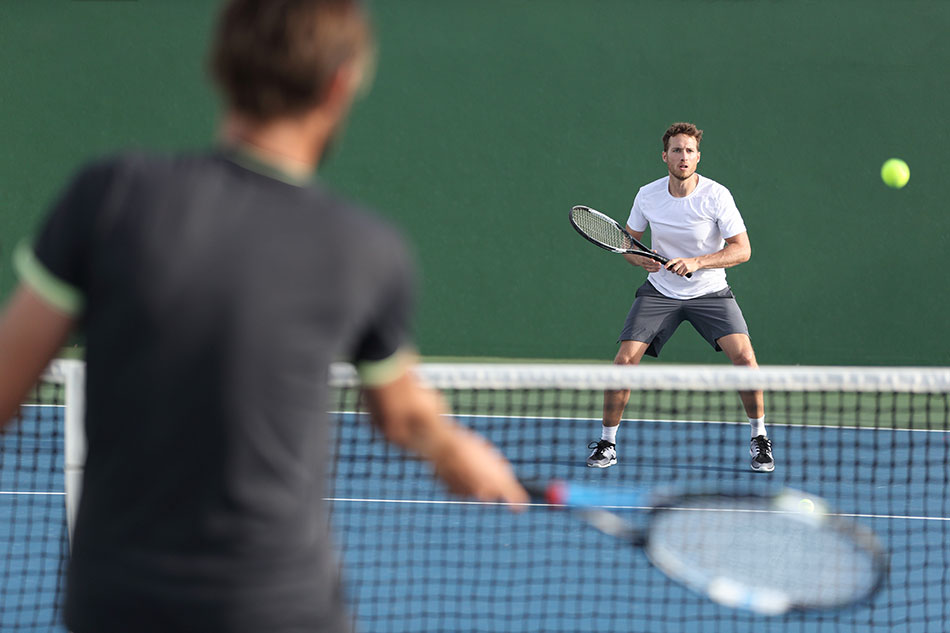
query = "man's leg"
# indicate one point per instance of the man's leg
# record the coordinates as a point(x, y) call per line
point(630, 353)
point(738, 348)
point(605, 453)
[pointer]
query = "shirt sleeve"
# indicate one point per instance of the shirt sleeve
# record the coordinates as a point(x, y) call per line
point(729, 220)
point(383, 351)
point(637, 221)
point(56, 265)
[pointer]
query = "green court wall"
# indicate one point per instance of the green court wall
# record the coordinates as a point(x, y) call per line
point(489, 119)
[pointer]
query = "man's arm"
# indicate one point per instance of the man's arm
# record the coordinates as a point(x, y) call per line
point(413, 417)
point(737, 250)
point(31, 332)
point(651, 265)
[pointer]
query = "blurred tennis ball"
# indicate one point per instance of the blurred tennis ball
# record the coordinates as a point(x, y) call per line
point(895, 173)
point(806, 505)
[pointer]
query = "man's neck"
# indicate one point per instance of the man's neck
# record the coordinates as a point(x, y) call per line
point(682, 188)
point(293, 145)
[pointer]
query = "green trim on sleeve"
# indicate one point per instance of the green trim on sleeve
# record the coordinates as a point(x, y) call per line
point(380, 372)
point(56, 292)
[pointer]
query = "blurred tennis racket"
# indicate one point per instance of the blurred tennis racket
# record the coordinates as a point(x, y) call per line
point(607, 233)
point(768, 553)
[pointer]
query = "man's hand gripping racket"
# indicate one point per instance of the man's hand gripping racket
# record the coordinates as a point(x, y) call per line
point(607, 233)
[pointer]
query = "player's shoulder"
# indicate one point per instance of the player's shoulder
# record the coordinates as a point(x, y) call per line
point(102, 167)
point(143, 165)
point(353, 212)
point(141, 159)
point(711, 188)
point(92, 180)
point(196, 165)
point(368, 228)
point(658, 187)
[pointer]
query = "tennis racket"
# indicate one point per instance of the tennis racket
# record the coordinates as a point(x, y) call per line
point(607, 233)
point(768, 552)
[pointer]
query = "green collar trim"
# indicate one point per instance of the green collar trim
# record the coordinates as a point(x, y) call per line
point(249, 159)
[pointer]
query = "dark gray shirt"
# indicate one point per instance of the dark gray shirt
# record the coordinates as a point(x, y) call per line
point(212, 298)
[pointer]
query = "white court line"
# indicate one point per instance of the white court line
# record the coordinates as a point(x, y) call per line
point(554, 505)
point(547, 505)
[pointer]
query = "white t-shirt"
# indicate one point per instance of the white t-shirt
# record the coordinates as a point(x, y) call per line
point(687, 227)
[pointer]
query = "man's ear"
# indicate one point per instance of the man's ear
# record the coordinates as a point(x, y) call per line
point(341, 89)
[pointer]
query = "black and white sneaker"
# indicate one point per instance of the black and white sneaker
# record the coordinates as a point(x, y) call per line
point(604, 455)
point(760, 450)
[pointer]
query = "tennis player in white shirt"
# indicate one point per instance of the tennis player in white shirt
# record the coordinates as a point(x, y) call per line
point(694, 221)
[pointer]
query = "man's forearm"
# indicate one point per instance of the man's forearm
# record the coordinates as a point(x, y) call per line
point(635, 260)
point(731, 255)
point(31, 332)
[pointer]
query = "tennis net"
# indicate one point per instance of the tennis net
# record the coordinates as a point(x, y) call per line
point(871, 441)
point(34, 541)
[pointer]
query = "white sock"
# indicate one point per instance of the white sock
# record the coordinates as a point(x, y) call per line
point(758, 426)
point(609, 433)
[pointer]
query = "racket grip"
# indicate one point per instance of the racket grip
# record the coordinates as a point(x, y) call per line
point(687, 275)
point(550, 492)
point(561, 493)
point(664, 261)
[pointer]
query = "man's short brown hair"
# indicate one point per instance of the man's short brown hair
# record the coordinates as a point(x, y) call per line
point(276, 58)
point(682, 128)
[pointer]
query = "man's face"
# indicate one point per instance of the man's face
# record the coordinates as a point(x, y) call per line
point(682, 156)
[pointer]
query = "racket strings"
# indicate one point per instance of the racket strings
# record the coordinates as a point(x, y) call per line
point(602, 230)
point(762, 554)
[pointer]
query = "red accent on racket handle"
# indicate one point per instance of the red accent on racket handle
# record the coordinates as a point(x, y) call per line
point(556, 493)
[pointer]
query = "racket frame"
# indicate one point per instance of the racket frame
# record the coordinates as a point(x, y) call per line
point(593, 505)
point(641, 249)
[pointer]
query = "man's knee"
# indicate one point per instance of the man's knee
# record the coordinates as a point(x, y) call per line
point(738, 347)
point(744, 357)
point(628, 355)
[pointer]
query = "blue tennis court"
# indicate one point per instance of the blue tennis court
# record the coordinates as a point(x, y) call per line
point(450, 566)
point(416, 559)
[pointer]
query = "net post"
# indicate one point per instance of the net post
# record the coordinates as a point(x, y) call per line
point(73, 376)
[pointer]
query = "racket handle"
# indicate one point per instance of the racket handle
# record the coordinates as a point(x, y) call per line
point(561, 493)
point(666, 260)
point(687, 275)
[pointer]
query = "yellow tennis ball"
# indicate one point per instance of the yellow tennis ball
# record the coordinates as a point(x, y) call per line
point(895, 173)
point(806, 505)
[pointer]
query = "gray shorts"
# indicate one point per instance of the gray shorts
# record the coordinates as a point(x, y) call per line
point(654, 317)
